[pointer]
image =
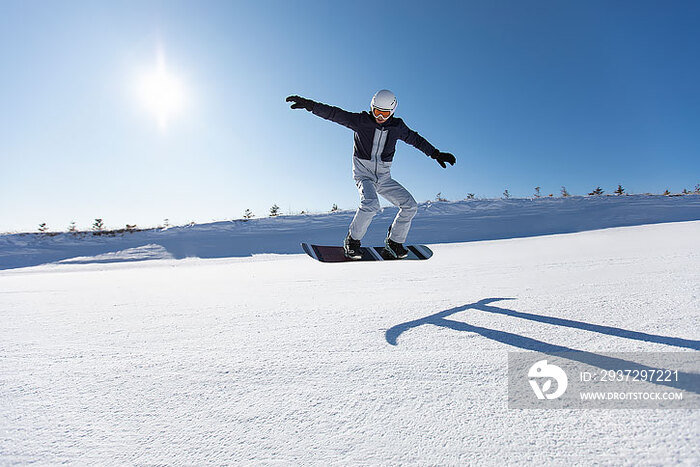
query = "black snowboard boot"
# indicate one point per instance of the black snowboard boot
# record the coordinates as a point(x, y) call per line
point(394, 249)
point(352, 248)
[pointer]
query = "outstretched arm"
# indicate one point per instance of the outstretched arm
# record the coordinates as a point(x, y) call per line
point(334, 114)
point(417, 141)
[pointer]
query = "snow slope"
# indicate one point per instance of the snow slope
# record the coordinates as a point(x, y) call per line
point(444, 222)
point(280, 359)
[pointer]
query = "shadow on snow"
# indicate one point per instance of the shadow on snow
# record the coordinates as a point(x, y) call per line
point(686, 381)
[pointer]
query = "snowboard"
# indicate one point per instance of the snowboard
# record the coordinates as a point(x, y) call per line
point(335, 254)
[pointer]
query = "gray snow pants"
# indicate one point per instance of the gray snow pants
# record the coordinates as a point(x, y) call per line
point(393, 192)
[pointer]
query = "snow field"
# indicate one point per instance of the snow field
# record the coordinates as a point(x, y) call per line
point(280, 359)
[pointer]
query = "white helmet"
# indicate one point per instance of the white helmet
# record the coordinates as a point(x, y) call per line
point(384, 100)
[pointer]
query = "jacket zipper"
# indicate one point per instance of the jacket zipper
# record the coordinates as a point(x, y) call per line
point(376, 162)
point(379, 153)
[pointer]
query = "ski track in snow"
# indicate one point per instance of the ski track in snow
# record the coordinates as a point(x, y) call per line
point(280, 359)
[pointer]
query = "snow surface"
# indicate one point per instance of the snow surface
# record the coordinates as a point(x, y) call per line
point(279, 359)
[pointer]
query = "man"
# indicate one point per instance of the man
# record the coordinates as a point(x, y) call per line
point(376, 134)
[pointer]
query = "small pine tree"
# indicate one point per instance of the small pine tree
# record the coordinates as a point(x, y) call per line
point(274, 210)
point(564, 193)
point(537, 192)
point(334, 208)
point(506, 194)
point(248, 214)
point(685, 191)
point(166, 223)
point(72, 227)
point(98, 225)
point(597, 192)
point(620, 190)
point(439, 197)
point(666, 193)
point(43, 227)
point(470, 195)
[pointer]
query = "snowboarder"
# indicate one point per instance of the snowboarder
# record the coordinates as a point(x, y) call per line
point(376, 134)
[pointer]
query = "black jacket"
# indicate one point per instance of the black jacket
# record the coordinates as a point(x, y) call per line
point(365, 127)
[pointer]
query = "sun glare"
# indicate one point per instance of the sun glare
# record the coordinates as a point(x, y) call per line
point(161, 93)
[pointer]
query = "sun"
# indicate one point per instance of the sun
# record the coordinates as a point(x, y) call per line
point(161, 93)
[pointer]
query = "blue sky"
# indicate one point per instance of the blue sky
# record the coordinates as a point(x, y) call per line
point(525, 94)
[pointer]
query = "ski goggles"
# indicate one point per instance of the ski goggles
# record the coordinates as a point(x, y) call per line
point(381, 113)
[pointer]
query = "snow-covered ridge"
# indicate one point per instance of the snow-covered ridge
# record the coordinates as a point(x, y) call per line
point(436, 222)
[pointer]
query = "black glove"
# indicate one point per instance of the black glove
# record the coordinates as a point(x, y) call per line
point(442, 157)
point(301, 103)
